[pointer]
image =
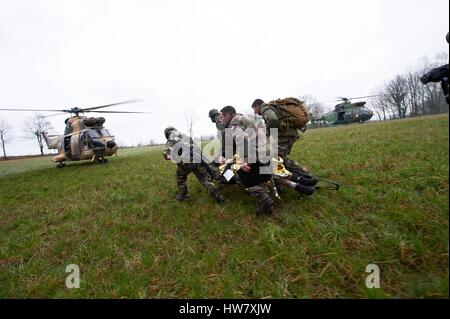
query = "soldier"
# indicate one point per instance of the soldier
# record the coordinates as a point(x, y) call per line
point(248, 177)
point(177, 143)
point(286, 137)
point(217, 119)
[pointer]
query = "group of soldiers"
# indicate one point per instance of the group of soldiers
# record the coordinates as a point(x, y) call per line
point(232, 126)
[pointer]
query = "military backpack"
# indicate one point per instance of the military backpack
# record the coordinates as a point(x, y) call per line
point(292, 111)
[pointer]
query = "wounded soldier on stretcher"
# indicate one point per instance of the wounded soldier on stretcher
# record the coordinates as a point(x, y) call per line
point(250, 175)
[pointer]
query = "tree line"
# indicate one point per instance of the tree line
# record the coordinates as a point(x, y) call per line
point(32, 129)
point(405, 96)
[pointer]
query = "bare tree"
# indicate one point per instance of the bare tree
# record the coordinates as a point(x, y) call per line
point(5, 136)
point(380, 105)
point(396, 95)
point(405, 95)
point(34, 126)
point(414, 90)
point(190, 119)
point(315, 108)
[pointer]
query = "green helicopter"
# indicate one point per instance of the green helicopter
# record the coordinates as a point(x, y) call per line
point(343, 113)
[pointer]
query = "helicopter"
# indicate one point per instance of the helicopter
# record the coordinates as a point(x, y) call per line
point(345, 112)
point(84, 138)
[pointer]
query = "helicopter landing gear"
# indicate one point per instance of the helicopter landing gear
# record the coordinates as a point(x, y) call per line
point(60, 165)
point(99, 159)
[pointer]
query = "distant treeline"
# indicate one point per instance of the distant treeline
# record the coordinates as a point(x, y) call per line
point(405, 96)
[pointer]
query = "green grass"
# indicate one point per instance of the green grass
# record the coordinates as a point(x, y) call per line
point(121, 224)
point(17, 166)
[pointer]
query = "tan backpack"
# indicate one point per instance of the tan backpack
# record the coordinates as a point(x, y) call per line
point(292, 111)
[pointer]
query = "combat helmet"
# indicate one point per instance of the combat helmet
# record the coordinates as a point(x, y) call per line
point(213, 113)
point(168, 130)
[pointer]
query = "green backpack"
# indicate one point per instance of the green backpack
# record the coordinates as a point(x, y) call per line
point(292, 111)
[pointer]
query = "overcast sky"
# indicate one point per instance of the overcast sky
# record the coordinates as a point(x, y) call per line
point(196, 55)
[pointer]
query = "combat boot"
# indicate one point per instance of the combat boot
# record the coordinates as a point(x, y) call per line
point(306, 180)
point(182, 197)
point(305, 190)
point(265, 208)
point(217, 197)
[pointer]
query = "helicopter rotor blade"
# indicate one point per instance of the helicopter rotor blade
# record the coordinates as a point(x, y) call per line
point(341, 99)
point(118, 112)
point(52, 115)
point(376, 95)
point(364, 97)
point(30, 110)
point(108, 105)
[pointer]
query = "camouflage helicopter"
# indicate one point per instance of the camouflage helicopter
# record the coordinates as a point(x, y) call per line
point(344, 113)
point(84, 138)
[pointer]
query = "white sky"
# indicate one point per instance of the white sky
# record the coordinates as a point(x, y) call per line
point(196, 55)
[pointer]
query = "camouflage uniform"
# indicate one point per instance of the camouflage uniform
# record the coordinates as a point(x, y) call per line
point(217, 119)
point(185, 168)
point(221, 133)
point(238, 125)
point(220, 126)
point(287, 136)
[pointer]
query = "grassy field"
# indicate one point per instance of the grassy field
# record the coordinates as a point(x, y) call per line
point(120, 223)
point(17, 166)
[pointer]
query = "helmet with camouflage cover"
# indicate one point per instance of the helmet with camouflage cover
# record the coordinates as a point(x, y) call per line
point(213, 114)
point(168, 130)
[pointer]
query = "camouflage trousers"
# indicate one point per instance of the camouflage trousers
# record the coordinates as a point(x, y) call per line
point(285, 144)
point(259, 192)
point(183, 170)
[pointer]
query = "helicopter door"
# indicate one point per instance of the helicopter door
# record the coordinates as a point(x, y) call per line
point(75, 145)
point(84, 142)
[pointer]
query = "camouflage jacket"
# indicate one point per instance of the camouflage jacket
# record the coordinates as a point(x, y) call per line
point(178, 140)
point(220, 126)
point(221, 134)
point(239, 129)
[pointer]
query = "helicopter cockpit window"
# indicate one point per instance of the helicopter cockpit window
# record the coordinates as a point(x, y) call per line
point(95, 138)
point(98, 133)
point(104, 132)
point(94, 133)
